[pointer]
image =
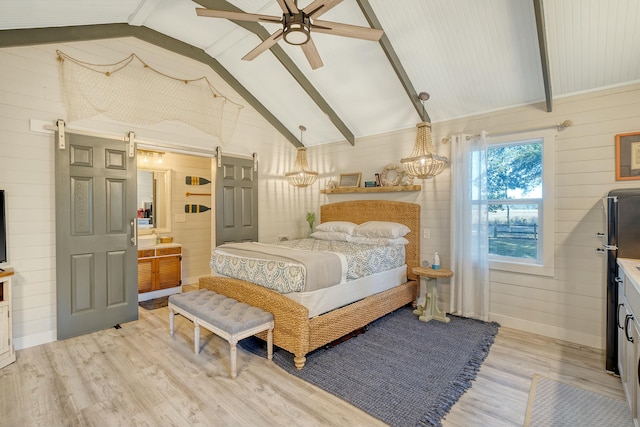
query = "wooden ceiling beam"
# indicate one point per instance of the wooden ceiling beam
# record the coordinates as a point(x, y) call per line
point(393, 59)
point(38, 36)
point(287, 63)
point(544, 52)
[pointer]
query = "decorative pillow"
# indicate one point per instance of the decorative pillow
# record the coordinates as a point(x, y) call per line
point(330, 235)
point(391, 230)
point(339, 226)
point(380, 241)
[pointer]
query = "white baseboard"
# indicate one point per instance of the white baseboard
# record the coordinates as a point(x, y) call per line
point(34, 340)
point(549, 331)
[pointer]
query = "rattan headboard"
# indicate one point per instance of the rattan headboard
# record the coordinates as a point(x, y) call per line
point(359, 211)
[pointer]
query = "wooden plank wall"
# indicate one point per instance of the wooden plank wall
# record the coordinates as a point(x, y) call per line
point(569, 305)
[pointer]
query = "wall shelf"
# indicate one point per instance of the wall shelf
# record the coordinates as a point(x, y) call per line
point(346, 190)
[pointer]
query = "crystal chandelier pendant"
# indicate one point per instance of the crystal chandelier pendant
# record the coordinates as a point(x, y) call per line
point(301, 176)
point(423, 162)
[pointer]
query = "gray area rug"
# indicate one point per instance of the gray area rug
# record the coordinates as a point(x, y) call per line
point(402, 371)
point(555, 404)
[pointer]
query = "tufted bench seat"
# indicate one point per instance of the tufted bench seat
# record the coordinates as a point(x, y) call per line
point(224, 316)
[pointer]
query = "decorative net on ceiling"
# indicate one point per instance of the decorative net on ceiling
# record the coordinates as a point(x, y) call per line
point(132, 91)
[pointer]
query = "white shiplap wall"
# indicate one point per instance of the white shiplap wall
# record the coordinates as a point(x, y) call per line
point(29, 90)
point(569, 305)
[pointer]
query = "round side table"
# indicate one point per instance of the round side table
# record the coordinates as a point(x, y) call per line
point(429, 308)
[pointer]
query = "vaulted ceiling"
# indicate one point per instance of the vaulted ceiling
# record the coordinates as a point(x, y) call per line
point(471, 56)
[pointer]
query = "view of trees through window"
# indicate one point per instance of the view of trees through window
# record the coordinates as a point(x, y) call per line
point(514, 188)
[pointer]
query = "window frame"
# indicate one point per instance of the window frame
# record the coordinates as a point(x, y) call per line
point(545, 264)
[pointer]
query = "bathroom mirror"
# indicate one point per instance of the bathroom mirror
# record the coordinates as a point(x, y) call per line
point(154, 200)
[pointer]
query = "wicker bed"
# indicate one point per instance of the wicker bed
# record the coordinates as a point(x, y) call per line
point(298, 334)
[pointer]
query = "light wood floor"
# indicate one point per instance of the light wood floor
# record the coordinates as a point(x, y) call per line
point(139, 375)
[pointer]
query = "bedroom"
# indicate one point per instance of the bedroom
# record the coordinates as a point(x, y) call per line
point(568, 306)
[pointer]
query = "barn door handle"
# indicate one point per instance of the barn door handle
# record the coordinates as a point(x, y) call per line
point(134, 231)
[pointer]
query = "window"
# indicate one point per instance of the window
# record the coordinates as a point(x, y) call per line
point(520, 203)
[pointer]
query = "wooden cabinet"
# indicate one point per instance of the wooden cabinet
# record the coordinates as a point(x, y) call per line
point(159, 268)
point(7, 353)
point(629, 333)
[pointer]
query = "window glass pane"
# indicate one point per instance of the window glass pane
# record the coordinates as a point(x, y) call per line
point(513, 230)
point(514, 171)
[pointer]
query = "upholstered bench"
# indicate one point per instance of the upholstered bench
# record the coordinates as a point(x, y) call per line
point(224, 316)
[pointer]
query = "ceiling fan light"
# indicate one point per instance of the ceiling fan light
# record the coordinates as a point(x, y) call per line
point(296, 29)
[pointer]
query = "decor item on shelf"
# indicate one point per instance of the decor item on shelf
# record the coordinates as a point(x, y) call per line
point(424, 162)
point(301, 176)
point(195, 208)
point(406, 179)
point(196, 180)
point(350, 179)
point(297, 25)
point(332, 185)
point(391, 175)
point(311, 218)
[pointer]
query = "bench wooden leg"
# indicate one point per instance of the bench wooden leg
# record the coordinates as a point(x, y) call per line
point(270, 343)
point(196, 336)
point(171, 316)
point(233, 352)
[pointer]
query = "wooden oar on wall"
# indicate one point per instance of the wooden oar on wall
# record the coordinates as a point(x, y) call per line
point(197, 194)
point(195, 208)
point(196, 180)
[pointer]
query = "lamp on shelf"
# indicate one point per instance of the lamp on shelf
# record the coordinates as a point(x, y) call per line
point(424, 162)
point(301, 176)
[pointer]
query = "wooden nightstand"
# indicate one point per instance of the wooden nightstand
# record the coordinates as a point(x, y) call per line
point(429, 309)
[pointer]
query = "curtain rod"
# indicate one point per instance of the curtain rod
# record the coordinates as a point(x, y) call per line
point(560, 126)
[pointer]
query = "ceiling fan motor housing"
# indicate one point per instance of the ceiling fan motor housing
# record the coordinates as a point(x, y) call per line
point(296, 28)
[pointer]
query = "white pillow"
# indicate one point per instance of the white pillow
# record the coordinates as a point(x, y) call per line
point(380, 241)
point(330, 235)
point(339, 226)
point(391, 230)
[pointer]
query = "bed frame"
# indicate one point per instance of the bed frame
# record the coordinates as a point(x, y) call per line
point(298, 334)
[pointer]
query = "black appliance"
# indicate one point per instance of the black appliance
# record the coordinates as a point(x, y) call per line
point(623, 240)
point(3, 230)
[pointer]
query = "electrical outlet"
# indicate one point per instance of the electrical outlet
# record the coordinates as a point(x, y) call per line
point(180, 218)
point(426, 233)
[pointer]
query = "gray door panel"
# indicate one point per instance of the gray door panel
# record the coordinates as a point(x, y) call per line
point(236, 201)
point(96, 262)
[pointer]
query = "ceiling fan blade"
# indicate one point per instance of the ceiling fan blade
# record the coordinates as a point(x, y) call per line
point(320, 7)
point(346, 30)
point(310, 51)
point(288, 6)
point(237, 16)
point(273, 39)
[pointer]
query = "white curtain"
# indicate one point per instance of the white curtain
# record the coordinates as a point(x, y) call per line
point(469, 227)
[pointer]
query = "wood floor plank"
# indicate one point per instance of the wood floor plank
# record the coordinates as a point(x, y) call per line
point(141, 376)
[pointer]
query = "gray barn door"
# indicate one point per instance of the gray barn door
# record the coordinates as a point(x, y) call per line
point(96, 261)
point(236, 201)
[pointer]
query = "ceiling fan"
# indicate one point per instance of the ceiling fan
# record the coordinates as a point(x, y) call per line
point(297, 25)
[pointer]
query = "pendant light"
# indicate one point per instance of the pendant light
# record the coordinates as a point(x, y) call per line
point(301, 176)
point(424, 162)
